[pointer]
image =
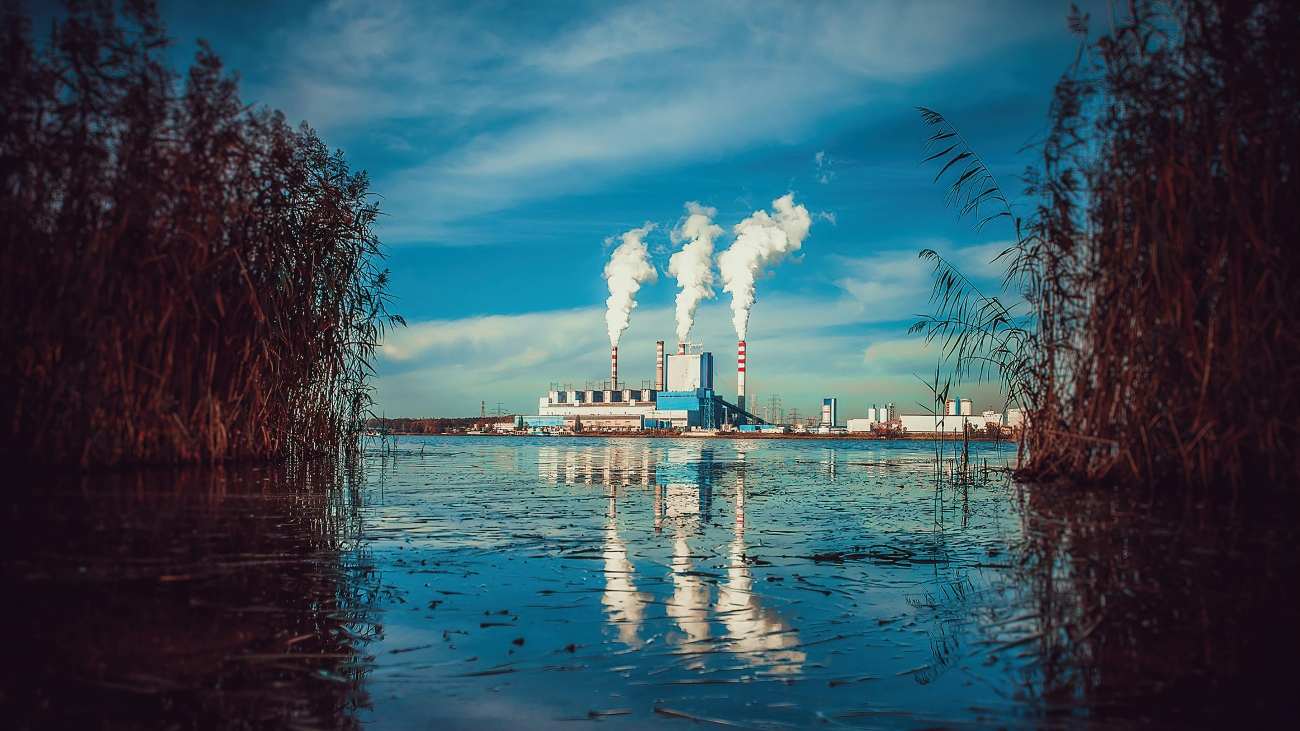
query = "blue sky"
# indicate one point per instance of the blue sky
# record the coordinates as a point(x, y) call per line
point(509, 140)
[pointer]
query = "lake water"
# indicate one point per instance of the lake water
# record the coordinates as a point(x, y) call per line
point(462, 582)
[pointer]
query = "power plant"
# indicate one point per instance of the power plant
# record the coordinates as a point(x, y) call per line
point(683, 398)
point(683, 394)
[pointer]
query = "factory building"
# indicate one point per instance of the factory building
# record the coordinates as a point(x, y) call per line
point(956, 423)
point(689, 372)
point(1015, 418)
point(877, 416)
point(763, 429)
point(830, 411)
point(959, 406)
point(685, 399)
point(944, 423)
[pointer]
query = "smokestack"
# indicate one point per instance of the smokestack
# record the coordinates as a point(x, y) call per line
point(613, 368)
point(681, 348)
point(659, 365)
point(740, 375)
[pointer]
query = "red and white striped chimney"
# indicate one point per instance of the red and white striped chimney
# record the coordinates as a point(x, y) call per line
point(659, 365)
point(740, 375)
point(613, 368)
point(681, 348)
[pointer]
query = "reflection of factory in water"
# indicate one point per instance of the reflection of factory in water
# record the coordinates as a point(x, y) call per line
point(703, 608)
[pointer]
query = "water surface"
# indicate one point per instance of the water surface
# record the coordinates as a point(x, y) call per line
point(460, 582)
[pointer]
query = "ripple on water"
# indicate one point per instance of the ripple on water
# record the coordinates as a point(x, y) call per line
point(459, 581)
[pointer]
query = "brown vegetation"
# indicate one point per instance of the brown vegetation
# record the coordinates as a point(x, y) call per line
point(227, 596)
point(1142, 613)
point(181, 278)
point(1162, 343)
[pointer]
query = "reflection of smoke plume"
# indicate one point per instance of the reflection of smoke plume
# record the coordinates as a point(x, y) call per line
point(761, 239)
point(693, 264)
point(625, 605)
point(628, 267)
point(758, 634)
point(689, 606)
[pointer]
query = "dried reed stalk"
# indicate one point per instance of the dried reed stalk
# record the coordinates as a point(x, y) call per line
point(1162, 343)
point(182, 278)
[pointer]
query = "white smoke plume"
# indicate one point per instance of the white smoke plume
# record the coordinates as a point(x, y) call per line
point(761, 240)
point(628, 267)
point(692, 265)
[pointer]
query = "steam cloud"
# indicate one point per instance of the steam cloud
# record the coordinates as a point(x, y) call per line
point(761, 240)
point(692, 265)
point(628, 267)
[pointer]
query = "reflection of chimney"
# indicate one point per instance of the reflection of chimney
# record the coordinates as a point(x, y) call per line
point(613, 368)
point(659, 365)
point(740, 375)
point(659, 508)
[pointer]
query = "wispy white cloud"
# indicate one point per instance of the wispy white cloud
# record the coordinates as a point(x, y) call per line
point(824, 166)
point(525, 110)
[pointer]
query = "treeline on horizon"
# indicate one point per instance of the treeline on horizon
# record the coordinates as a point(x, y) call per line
point(183, 277)
point(1159, 260)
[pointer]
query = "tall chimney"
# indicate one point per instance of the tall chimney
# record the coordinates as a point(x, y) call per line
point(659, 365)
point(740, 375)
point(681, 348)
point(613, 368)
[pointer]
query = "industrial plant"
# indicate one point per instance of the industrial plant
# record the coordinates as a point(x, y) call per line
point(682, 397)
point(958, 416)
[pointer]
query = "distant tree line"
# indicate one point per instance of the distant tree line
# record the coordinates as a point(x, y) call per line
point(182, 277)
point(1162, 340)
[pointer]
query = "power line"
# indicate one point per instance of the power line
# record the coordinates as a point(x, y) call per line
point(775, 410)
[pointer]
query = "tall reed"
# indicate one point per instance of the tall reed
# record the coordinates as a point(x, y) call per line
point(1161, 341)
point(182, 278)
